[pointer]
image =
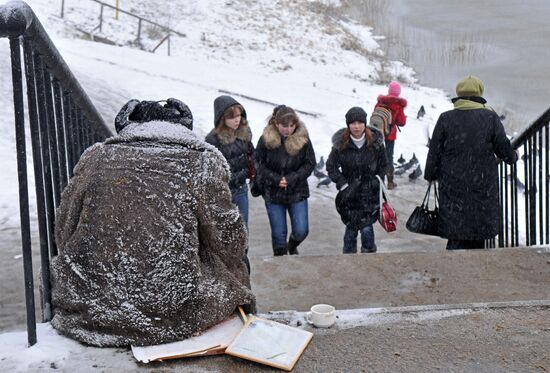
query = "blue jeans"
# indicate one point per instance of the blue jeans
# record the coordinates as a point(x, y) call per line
point(240, 198)
point(277, 219)
point(367, 240)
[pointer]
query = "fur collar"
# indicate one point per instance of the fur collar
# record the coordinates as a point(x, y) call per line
point(293, 143)
point(228, 136)
point(389, 100)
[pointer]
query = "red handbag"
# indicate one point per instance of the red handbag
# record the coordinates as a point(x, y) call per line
point(387, 217)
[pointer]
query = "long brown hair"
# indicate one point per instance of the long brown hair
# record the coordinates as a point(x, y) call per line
point(346, 137)
point(231, 112)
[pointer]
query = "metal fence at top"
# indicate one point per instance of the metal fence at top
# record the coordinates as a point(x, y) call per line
point(140, 21)
point(523, 189)
point(63, 122)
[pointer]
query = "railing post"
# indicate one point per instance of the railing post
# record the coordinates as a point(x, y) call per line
point(547, 181)
point(532, 190)
point(62, 8)
point(139, 29)
point(52, 141)
point(18, 103)
point(168, 45)
point(540, 191)
point(47, 180)
point(38, 171)
point(61, 139)
point(100, 17)
point(515, 206)
point(67, 119)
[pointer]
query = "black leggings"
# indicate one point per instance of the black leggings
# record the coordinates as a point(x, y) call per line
point(390, 144)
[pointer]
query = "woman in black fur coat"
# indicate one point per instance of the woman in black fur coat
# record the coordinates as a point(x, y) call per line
point(285, 159)
point(232, 136)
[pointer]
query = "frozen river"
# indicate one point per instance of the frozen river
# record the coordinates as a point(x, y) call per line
point(504, 42)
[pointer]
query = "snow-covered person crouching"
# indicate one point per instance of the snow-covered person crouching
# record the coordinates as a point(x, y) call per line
point(232, 136)
point(285, 159)
point(356, 158)
point(465, 145)
point(150, 245)
point(396, 104)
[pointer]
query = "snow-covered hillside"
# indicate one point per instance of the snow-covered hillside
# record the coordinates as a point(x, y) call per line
point(303, 54)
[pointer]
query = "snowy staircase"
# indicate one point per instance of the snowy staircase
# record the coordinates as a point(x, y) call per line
point(401, 279)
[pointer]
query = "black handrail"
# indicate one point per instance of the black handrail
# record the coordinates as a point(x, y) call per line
point(524, 198)
point(63, 123)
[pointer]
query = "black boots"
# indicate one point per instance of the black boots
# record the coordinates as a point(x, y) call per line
point(279, 251)
point(391, 184)
point(291, 248)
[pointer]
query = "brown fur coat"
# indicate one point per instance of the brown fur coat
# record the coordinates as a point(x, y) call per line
point(150, 245)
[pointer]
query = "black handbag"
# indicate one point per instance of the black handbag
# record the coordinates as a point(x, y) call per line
point(255, 187)
point(423, 220)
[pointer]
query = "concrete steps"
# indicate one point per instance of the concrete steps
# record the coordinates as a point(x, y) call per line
point(401, 279)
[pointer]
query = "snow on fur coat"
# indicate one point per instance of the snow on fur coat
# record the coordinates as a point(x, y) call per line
point(358, 204)
point(234, 146)
point(150, 245)
point(292, 158)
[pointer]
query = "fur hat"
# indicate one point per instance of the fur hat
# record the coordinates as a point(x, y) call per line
point(394, 89)
point(356, 114)
point(470, 86)
point(221, 104)
point(135, 111)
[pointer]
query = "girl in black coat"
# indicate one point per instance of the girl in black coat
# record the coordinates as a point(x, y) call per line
point(357, 157)
point(464, 148)
point(232, 136)
point(285, 159)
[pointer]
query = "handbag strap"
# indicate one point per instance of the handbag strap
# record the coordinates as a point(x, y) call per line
point(383, 192)
point(436, 195)
point(426, 200)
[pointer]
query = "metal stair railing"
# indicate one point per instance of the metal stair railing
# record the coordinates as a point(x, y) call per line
point(63, 123)
point(169, 31)
point(523, 189)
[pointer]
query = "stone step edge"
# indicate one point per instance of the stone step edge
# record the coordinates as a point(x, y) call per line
point(352, 318)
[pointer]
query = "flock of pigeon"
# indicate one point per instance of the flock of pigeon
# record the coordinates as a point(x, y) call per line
point(402, 167)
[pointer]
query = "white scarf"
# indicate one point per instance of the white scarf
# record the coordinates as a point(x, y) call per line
point(358, 142)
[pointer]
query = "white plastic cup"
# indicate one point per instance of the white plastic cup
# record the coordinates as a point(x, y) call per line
point(321, 315)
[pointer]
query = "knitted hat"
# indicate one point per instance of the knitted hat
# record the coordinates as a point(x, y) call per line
point(470, 86)
point(135, 111)
point(356, 114)
point(221, 104)
point(394, 89)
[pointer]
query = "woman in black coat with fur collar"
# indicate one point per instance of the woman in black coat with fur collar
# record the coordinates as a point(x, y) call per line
point(357, 157)
point(285, 159)
point(465, 149)
point(232, 137)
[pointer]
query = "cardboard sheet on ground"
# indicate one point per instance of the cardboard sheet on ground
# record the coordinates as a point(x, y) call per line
point(213, 341)
point(269, 342)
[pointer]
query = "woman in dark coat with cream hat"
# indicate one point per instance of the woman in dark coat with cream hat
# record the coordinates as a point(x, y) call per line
point(465, 149)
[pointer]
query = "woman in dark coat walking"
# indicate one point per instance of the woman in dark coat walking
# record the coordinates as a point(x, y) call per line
point(465, 149)
point(356, 158)
point(232, 136)
point(285, 159)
